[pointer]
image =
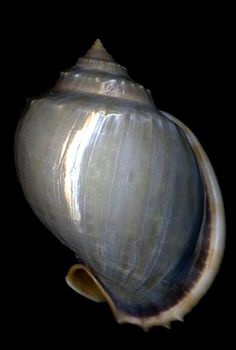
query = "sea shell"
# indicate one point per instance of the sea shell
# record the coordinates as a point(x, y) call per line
point(127, 187)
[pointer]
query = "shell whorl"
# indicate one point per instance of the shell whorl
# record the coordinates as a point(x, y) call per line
point(97, 73)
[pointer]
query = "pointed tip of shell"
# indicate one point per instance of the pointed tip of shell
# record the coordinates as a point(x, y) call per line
point(98, 45)
point(98, 52)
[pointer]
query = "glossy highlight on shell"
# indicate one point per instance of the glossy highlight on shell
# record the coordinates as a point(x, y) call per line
point(127, 187)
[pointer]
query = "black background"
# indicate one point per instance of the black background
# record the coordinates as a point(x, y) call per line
point(182, 58)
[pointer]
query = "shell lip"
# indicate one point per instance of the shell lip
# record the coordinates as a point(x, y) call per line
point(99, 294)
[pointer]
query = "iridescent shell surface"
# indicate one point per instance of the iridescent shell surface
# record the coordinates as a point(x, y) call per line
point(127, 187)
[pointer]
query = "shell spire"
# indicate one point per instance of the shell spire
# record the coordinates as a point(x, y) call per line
point(97, 73)
point(98, 59)
point(98, 52)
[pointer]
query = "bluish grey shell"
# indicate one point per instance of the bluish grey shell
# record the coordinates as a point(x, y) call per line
point(119, 183)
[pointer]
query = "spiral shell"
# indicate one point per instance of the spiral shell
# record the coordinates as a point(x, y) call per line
point(127, 187)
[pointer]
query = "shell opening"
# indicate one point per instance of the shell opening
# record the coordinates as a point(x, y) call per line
point(82, 281)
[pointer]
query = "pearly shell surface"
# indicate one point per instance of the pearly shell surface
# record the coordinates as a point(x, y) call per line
point(125, 186)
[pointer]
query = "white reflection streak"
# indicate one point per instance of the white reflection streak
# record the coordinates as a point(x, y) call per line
point(73, 164)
